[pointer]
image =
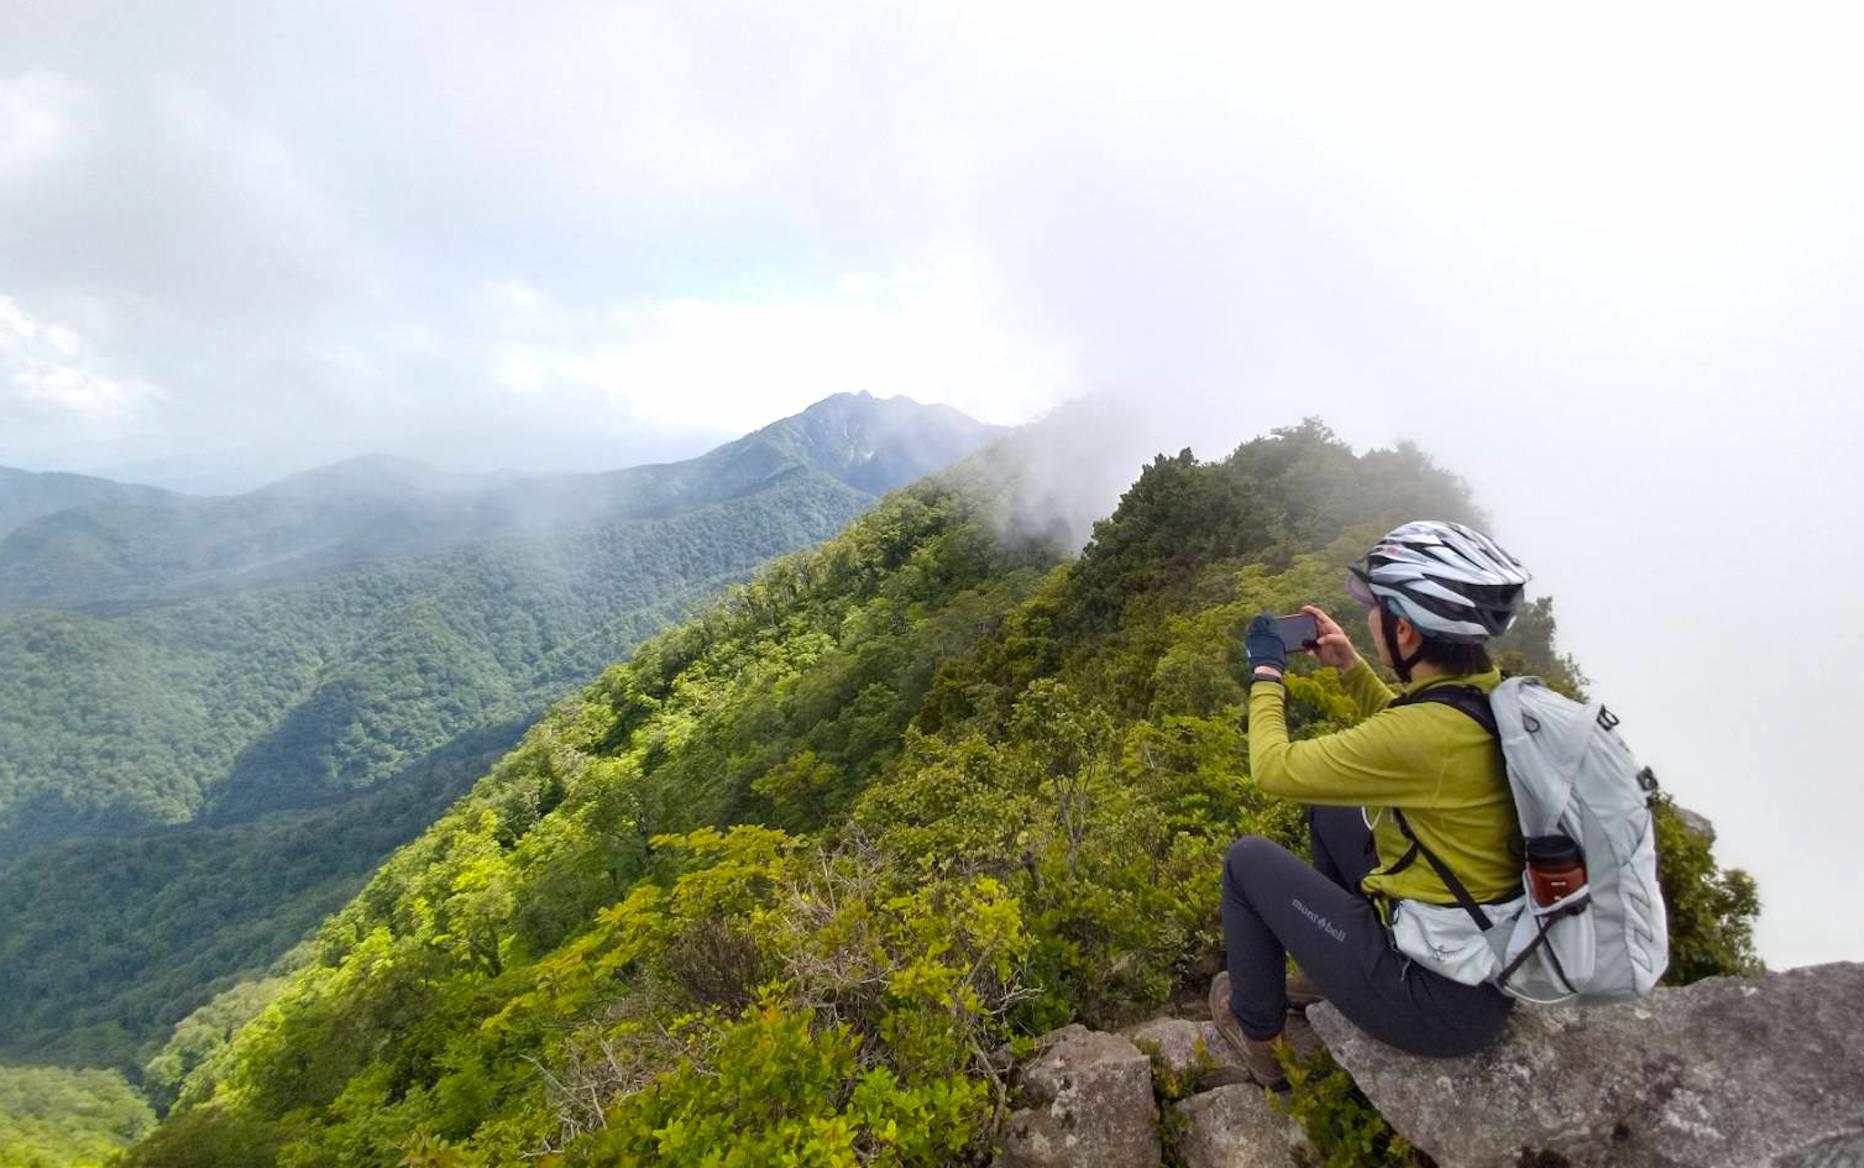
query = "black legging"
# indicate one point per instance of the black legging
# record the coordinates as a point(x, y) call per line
point(1274, 905)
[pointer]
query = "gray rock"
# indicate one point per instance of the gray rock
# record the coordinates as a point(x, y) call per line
point(1763, 1072)
point(1697, 825)
point(1843, 1152)
point(1086, 1099)
point(1183, 1052)
point(1236, 1127)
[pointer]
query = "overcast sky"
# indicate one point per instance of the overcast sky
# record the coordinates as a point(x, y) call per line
point(1605, 265)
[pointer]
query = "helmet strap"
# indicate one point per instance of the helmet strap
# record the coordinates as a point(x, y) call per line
point(1401, 665)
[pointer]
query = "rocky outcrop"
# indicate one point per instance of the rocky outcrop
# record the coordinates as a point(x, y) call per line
point(1695, 824)
point(1085, 1099)
point(1182, 1051)
point(1839, 1152)
point(1763, 1072)
point(1236, 1127)
point(1088, 1100)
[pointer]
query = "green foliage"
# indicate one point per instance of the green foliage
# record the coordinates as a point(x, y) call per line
point(774, 888)
point(1712, 910)
point(573, 819)
point(1341, 1123)
point(866, 1044)
point(110, 942)
point(775, 1089)
point(285, 697)
point(210, 1135)
point(297, 733)
point(56, 1118)
point(1172, 1085)
point(189, 1065)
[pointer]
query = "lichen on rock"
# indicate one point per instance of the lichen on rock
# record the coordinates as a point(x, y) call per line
point(1086, 1098)
point(1762, 1072)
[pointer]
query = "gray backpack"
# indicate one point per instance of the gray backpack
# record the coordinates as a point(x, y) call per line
point(1574, 779)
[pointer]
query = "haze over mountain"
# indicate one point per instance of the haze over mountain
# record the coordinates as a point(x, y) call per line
point(305, 674)
point(28, 495)
point(71, 542)
point(773, 888)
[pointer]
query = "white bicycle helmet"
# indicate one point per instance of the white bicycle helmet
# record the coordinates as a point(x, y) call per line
point(1452, 582)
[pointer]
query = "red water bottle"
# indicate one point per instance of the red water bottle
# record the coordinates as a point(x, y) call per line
point(1556, 868)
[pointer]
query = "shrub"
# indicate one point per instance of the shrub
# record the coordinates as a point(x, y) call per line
point(1341, 1123)
point(1711, 910)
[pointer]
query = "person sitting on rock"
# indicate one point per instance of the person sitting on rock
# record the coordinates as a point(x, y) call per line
point(1408, 775)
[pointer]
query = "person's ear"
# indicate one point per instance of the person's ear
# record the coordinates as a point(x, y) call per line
point(1408, 637)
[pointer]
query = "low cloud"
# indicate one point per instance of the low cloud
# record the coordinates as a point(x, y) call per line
point(939, 331)
point(48, 375)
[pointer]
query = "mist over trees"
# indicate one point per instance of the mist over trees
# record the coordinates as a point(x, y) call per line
point(781, 881)
point(217, 716)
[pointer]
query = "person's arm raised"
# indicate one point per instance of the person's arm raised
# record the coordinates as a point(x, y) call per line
point(1382, 761)
point(1362, 684)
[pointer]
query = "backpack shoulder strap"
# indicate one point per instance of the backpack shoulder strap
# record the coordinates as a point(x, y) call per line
point(1457, 888)
point(1472, 701)
point(1467, 698)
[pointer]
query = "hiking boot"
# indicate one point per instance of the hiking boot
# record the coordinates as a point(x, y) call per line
point(1257, 1058)
point(1303, 992)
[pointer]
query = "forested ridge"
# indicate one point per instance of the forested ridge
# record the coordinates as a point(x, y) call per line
point(774, 889)
point(230, 705)
point(198, 766)
point(67, 541)
point(26, 496)
point(51, 1117)
point(165, 659)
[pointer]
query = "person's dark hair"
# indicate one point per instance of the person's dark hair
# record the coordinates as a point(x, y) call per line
point(1456, 658)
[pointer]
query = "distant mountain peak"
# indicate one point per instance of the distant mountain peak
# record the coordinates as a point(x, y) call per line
point(865, 400)
point(872, 443)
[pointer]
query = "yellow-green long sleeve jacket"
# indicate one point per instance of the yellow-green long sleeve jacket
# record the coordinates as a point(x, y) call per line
point(1430, 759)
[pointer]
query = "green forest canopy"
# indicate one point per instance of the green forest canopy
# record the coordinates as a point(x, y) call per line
point(227, 706)
point(56, 1118)
point(240, 706)
point(164, 659)
point(336, 720)
point(780, 882)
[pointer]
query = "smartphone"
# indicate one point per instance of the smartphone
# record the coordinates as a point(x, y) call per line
point(1298, 632)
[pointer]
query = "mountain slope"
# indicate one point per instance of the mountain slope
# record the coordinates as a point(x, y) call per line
point(107, 943)
point(55, 1118)
point(287, 737)
point(26, 495)
point(284, 697)
point(127, 550)
point(779, 883)
point(462, 603)
point(864, 442)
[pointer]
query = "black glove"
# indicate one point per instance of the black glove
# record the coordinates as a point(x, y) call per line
point(1264, 645)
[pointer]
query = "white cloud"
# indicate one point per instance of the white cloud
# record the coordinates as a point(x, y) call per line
point(35, 120)
point(941, 331)
point(46, 371)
